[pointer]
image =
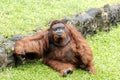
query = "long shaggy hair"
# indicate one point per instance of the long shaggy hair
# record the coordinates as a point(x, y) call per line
point(63, 53)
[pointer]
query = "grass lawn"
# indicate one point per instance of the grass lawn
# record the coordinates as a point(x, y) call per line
point(23, 16)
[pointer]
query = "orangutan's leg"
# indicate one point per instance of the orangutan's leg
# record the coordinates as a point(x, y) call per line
point(63, 68)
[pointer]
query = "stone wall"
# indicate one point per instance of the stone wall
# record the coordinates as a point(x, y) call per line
point(96, 19)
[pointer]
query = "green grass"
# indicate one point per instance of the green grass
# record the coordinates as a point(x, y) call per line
point(106, 50)
point(23, 16)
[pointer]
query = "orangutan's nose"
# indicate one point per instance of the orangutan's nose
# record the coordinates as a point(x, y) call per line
point(59, 32)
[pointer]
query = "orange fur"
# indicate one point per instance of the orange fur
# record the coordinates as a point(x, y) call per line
point(34, 44)
point(76, 53)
